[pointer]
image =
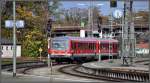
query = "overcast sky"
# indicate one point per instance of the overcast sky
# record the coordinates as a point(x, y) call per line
point(105, 8)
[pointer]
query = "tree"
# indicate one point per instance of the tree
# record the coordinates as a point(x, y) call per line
point(31, 36)
point(53, 8)
point(33, 41)
point(74, 16)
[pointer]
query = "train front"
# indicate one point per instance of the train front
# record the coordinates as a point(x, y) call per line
point(58, 48)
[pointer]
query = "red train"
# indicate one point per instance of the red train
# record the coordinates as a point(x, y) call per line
point(78, 47)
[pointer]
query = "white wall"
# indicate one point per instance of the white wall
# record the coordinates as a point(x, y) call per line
point(7, 51)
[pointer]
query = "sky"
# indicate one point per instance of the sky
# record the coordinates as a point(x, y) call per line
point(105, 8)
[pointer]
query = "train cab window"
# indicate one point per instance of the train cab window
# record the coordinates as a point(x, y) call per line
point(59, 45)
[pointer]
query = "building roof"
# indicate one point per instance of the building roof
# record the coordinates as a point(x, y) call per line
point(5, 41)
point(142, 45)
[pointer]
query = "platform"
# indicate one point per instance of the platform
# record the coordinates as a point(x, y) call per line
point(117, 64)
point(114, 69)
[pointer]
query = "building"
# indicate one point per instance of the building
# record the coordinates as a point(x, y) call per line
point(142, 49)
point(7, 48)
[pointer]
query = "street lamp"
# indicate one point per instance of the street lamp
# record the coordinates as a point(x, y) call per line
point(90, 15)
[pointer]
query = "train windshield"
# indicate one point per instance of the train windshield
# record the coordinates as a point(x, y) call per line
point(59, 45)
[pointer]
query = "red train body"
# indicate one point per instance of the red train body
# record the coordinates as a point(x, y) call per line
point(82, 47)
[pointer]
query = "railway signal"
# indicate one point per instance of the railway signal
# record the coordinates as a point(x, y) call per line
point(49, 25)
point(99, 22)
point(40, 50)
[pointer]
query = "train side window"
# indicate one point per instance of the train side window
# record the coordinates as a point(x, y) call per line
point(94, 46)
point(107, 46)
point(82, 46)
point(76, 45)
point(86, 46)
point(79, 46)
point(110, 46)
point(102, 46)
point(89, 46)
point(114, 46)
point(73, 45)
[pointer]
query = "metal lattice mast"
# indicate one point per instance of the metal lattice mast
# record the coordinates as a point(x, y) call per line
point(128, 33)
point(132, 33)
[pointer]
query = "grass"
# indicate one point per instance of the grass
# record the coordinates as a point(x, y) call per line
point(18, 60)
point(23, 59)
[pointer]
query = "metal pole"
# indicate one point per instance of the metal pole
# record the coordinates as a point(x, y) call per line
point(40, 56)
point(149, 41)
point(14, 39)
point(0, 38)
point(122, 42)
point(50, 60)
point(99, 57)
point(89, 20)
point(111, 31)
point(92, 25)
point(132, 37)
point(50, 65)
point(48, 54)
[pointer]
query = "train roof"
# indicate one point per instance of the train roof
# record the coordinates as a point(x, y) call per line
point(108, 40)
point(75, 38)
point(83, 39)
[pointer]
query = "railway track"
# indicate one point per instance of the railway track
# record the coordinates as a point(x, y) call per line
point(72, 70)
point(80, 71)
point(24, 65)
point(105, 74)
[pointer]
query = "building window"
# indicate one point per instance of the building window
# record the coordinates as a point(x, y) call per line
point(6, 47)
point(2, 47)
point(11, 47)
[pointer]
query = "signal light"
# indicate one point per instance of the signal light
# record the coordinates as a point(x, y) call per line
point(113, 3)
